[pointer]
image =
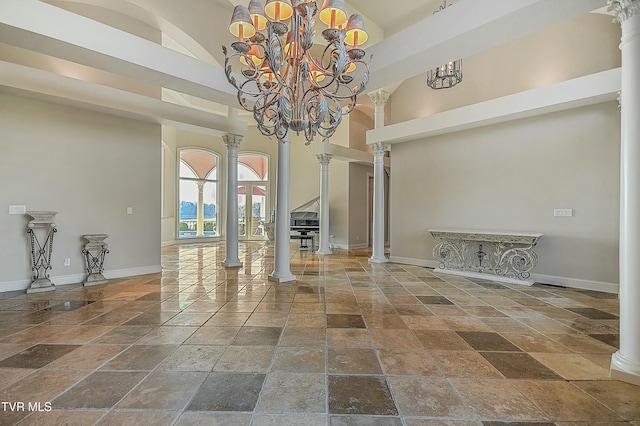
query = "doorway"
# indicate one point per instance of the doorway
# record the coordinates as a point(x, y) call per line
point(253, 200)
point(370, 209)
point(252, 211)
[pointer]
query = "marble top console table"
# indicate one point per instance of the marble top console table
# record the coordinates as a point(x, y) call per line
point(496, 255)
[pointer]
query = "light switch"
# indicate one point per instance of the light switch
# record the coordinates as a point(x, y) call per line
point(129, 210)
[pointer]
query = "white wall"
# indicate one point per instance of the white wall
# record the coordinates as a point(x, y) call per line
point(88, 167)
point(511, 177)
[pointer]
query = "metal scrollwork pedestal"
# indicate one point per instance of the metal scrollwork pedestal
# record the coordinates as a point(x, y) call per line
point(269, 228)
point(41, 230)
point(503, 256)
point(94, 252)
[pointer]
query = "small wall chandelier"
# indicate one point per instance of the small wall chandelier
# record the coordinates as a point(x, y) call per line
point(280, 81)
point(447, 75)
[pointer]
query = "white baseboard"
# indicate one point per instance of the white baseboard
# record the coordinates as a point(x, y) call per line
point(349, 246)
point(538, 278)
point(132, 272)
point(411, 261)
point(79, 278)
point(485, 276)
point(358, 246)
point(67, 279)
point(576, 283)
point(14, 285)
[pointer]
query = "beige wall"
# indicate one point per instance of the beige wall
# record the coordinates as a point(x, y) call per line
point(169, 187)
point(574, 48)
point(511, 177)
point(359, 123)
point(359, 210)
point(339, 203)
point(88, 167)
point(305, 172)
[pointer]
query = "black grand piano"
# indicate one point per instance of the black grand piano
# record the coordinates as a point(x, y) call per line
point(305, 224)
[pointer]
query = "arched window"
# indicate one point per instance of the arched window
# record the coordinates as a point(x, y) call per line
point(198, 194)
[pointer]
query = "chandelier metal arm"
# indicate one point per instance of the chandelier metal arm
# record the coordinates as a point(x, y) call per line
point(286, 87)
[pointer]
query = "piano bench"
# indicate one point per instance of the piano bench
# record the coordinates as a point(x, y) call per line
point(303, 241)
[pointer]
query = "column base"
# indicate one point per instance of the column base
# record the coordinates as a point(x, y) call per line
point(95, 279)
point(324, 252)
point(625, 369)
point(278, 278)
point(232, 263)
point(40, 285)
point(378, 260)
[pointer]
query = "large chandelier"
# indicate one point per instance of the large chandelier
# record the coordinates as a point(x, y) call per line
point(280, 81)
point(447, 75)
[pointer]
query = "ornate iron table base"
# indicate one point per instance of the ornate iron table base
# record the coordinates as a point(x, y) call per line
point(501, 256)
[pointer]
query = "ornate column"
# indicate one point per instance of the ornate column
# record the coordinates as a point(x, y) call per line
point(324, 160)
point(378, 203)
point(232, 142)
point(282, 272)
point(625, 363)
point(200, 212)
point(379, 99)
point(41, 248)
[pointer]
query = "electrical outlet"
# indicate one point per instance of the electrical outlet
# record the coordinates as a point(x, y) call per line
point(17, 209)
point(563, 212)
point(67, 261)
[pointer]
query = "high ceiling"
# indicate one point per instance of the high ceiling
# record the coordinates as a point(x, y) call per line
point(122, 56)
point(395, 16)
point(390, 17)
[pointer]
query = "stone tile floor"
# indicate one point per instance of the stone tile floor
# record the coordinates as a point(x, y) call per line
point(349, 343)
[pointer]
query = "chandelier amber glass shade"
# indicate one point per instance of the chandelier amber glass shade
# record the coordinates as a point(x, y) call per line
point(278, 79)
point(356, 34)
point(333, 13)
point(241, 25)
point(258, 16)
point(278, 10)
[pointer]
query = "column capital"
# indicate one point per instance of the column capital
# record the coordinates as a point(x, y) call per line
point(200, 183)
point(324, 158)
point(286, 138)
point(379, 97)
point(379, 148)
point(231, 140)
point(623, 9)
